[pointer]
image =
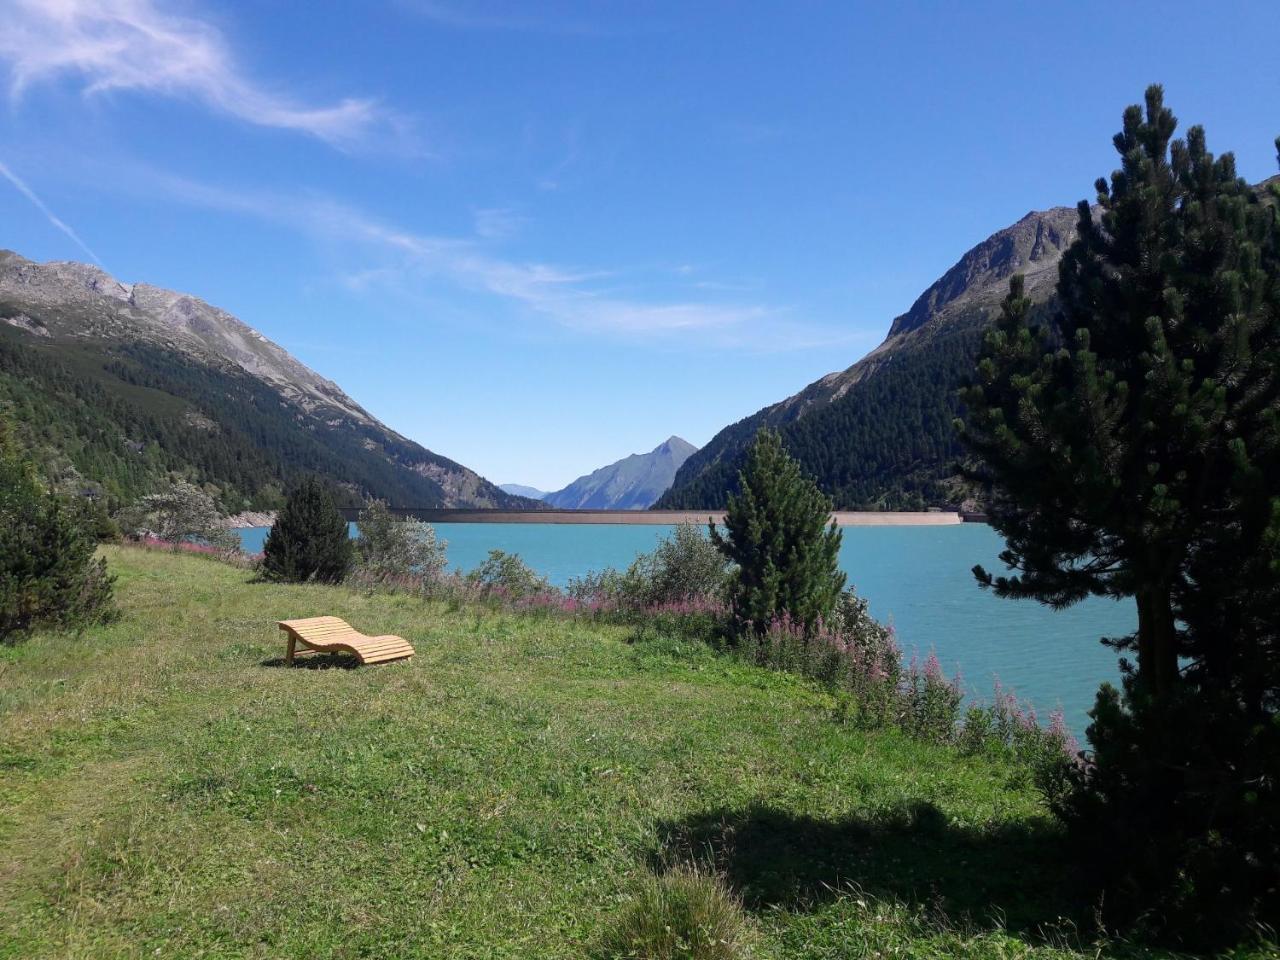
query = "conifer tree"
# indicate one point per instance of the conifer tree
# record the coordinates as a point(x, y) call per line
point(1132, 450)
point(1116, 447)
point(777, 534)
point(48, 573)
point(309, 540)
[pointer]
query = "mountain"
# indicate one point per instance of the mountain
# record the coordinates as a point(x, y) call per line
point(115, 386)
point(880, 435)
point(520, 490)
point(633, 483)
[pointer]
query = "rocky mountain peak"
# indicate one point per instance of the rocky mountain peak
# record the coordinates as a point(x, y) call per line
point(632, 483)
point(1032, 246)
point(60, 280)
point(675, 445)
point(80, 300)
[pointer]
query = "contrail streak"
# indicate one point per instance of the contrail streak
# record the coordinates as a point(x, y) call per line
point(30, 194)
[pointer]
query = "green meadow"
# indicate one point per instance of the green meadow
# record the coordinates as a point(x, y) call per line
point(169, 789)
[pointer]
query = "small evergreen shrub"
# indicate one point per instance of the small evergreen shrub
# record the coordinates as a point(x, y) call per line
point(786, 554)
point(48, 573)
point(686, 914)
point(392, 552)
point(309, 540)
point(98, 521)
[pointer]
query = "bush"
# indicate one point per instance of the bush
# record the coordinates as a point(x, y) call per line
point(851, 651)
point(309, 540)
point(180, 514)
point(48, 573)
point(684, 566)
point(859, 659)
point(684, 571)
point(930, 703)
point(606, 589)
point(504, 576)
point(682, 915)
point(396, 552)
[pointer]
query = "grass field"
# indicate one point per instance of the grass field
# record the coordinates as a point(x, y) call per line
point(167, 789)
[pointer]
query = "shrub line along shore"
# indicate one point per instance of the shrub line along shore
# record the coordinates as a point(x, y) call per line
point(843, 518)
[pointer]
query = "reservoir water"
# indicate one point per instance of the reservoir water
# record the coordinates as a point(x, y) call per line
point(917, 578)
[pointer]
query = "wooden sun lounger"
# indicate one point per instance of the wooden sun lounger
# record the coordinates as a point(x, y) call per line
point(332, 635)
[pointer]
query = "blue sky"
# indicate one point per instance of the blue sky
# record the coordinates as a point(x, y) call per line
point(537, 237)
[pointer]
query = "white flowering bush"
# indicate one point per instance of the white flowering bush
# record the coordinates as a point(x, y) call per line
point(180, 515)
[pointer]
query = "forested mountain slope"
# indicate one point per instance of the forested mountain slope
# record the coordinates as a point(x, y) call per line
point(879, 435)
point(116, 387)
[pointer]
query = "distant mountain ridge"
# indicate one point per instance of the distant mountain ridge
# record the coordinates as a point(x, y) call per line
point(879, 435)
point(632, 483)
point(117, 386)
point(520, 490)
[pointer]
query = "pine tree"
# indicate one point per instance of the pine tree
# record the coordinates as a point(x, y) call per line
point(1132, 450)
point(309, 541)
point(786, 554)
point(48, 573)
point(1115, 447)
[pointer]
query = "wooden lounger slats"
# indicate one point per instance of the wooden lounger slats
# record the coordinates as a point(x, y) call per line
point(333, 635)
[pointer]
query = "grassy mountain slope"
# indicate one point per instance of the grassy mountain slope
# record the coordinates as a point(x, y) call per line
point(168, 792)
point(115, 387)
point(879, 435)
point(632, 483)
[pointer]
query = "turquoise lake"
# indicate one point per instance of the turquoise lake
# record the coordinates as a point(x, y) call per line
point(917, 578)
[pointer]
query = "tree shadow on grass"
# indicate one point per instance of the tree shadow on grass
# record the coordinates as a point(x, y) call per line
point(318, 661)
point(1016, 876)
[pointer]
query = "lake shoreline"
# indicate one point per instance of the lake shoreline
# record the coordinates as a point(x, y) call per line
point(916, 577)
point(842, 518)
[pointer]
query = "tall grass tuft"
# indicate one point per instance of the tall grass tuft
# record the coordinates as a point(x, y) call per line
point(687, 914)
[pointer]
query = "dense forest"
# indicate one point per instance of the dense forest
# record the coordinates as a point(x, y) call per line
point(115, 419)
point(887, 444)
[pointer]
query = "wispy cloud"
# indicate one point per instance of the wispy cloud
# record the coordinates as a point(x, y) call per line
point(568, 296)
point(40, 205)
point(491, 15)
point(138, 45)
point(497, 223)
point(379, 254)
